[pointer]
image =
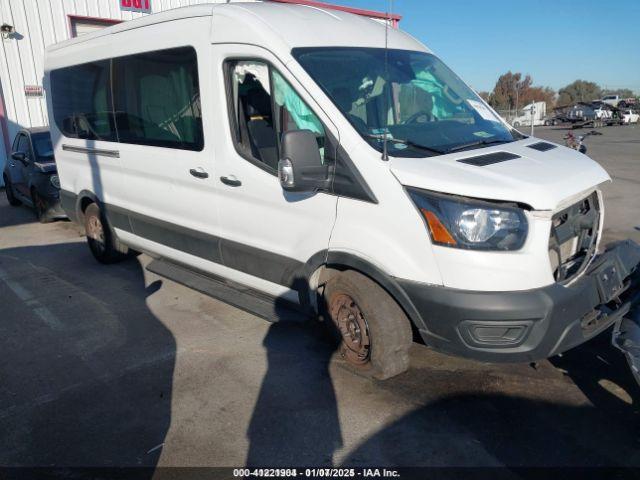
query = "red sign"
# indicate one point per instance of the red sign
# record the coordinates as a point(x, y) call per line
point(33, 90)
point(136, 5)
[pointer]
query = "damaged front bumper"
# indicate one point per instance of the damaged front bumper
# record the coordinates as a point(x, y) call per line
point(530, 325)
point(626, 336)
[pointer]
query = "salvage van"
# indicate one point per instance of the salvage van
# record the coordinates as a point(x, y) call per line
point(324, 160)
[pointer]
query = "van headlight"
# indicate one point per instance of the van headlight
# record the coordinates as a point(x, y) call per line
point(55, 181)
point(460, 222)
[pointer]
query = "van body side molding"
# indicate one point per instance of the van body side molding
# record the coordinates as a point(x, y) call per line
point(92, 151)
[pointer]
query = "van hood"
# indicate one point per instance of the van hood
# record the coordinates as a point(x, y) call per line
point(540, 179)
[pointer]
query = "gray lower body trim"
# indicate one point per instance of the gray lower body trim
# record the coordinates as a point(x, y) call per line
point(68, 202)
point(253, 261)
point(244, 258)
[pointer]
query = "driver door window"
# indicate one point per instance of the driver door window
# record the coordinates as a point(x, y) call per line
point(22, 145)
point(263, 106)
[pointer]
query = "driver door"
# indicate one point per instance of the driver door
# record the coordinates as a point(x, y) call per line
point(268, 234)
point(17, 169)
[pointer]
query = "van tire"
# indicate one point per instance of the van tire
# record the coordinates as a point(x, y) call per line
point(8, 190)
point(374, 333)
point(100, 237)
point(40, 208)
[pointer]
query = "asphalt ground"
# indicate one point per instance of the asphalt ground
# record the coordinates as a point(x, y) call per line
point(115, 366)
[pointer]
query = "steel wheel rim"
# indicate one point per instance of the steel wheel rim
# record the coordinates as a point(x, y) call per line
point(353, 328)
point(96, 233)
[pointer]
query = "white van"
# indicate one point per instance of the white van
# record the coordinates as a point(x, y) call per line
point(284, 149)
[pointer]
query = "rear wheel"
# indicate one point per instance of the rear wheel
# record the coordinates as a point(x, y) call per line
point(40, 206)
point(99, 236)
point(375, 335)
point(8, 190)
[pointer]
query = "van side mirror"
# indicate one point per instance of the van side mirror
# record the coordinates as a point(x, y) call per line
point(20, 157)
point(300, 168)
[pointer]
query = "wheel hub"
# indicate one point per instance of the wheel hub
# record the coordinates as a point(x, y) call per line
point(350, 322)
point(96, 232)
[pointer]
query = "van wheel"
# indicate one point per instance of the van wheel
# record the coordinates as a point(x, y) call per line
point(40, 206)
point(99, 237)
point(8, 190)
point(374, 333)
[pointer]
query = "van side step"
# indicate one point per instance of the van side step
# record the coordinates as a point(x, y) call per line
point(270, 308)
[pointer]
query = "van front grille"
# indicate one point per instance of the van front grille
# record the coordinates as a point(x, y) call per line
point(573, 238)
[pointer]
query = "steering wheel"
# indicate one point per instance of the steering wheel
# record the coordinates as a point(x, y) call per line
point(421, 113)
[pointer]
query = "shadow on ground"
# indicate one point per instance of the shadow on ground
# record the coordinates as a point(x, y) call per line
point(86, 367)
point(11, 216)
point(295, 419)
point(515, 430)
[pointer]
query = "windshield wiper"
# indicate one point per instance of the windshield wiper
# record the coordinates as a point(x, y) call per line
point(405, 142)
point(475, 144)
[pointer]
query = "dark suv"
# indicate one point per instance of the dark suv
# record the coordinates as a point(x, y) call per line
point(30, 175)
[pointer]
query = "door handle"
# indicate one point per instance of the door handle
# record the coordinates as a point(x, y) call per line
point(199, 173)
point(231, 180)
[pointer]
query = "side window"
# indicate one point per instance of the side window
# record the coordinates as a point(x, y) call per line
point(263, 106)
point(22, 144)
point(82, 106)
point(16, 143)
point(157, 99)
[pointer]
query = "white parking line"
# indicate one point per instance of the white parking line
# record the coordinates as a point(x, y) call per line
point(28, 298)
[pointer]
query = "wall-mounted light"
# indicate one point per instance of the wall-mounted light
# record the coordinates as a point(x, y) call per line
point(6, 30)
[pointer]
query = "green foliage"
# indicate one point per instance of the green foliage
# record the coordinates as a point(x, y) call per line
point(579, 91)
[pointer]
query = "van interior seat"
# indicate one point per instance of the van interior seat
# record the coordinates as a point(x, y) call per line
point(158, 116)
point(262, 135)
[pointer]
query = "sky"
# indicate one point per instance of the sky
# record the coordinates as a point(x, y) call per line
point(555, 41)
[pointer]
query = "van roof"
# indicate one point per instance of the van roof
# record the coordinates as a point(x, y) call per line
point(268, 23)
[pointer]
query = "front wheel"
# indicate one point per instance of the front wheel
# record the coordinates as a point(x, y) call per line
point(8, 190)
point(99, 236)
point(374, 333)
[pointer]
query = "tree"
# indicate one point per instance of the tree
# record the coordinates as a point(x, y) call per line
point(484, 95)
point(508, 89)
point(513, 91)
point(539, 94)
point(579, 91)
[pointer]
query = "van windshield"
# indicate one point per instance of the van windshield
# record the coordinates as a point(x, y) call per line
point(412, 99)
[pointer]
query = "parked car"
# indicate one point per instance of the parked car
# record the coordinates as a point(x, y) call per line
point(612, 100)
point(630, 116)
point(30, 175)
point(248, 142)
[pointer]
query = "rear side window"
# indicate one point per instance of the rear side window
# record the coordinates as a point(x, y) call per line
point(157, 99)
point(82, 106)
